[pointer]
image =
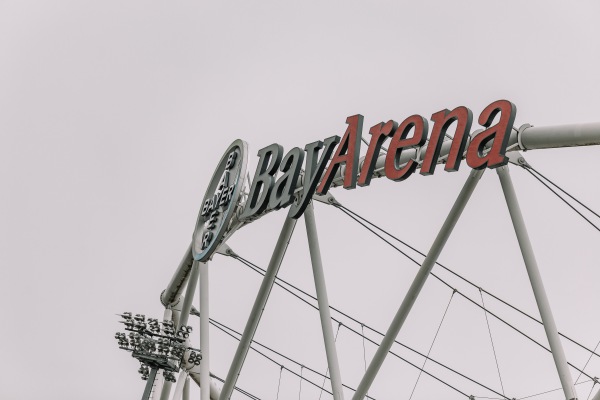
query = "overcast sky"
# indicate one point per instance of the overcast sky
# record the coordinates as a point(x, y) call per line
point(113, 116)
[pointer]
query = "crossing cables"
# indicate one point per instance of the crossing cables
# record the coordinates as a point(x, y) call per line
point(279, 281)
point(538, 175)
point(365, 223)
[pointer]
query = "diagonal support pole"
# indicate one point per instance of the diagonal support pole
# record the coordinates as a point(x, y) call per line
point(181, 382)
point(149, 384)
point(160, 380)
point(536, 284)
point(597, 395)
point(204, 326)
point(317, 266)
point(257, 308)
point(417, 285)
point(186, 307)
point(186, 389)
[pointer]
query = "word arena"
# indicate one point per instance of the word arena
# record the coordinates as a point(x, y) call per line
point(486, 149)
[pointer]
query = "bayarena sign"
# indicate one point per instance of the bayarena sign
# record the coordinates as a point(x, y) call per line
point(292, 180)
point(339, 157)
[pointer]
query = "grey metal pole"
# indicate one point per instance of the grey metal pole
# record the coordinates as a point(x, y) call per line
point(597, 395)
point(417, 284)
point(175, 286)
point(166, 390)
point(204, 327)
point(536, 283)
point(328, 337)
point(149, 384)
point(160, 380)
point(181, 380)
point(215, 392)
point(186, 389)
point(257, 308)
point(189, 295)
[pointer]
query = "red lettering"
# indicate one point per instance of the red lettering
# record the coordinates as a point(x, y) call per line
point(441, 122)
point(346, 153)
point(379, 133)
point(393, 168)
point(478, 156)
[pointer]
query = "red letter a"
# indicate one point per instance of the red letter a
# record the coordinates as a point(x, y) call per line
point(479, 155)
point(347, 152)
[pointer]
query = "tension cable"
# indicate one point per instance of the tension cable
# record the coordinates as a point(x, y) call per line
point(561, 189)
point(353, 215)
point(492, 341)
point(561, 198)
point(261, 271)
point(279, 383)
point(431, 347)
point(327, 370)
point(587, 362)
point(242, 391)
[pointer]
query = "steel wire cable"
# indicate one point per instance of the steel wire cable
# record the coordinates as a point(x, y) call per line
point(261, 271)
point(492, 341)
point(468, 298)
point(300, 391)
point(591, 390)
point(225, 328)
point(563, 200)
point(532, 395)
point(327, 370)
point(279, 383)
point(587, 362)
point(527, 167)
point(242, 391)
point(421, 369)
point(358, 218)
point(431, 347)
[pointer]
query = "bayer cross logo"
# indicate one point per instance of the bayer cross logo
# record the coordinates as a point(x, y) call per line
point(220, 200)
point(213, 207)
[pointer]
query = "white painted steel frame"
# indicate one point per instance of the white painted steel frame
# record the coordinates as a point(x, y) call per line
point(597, 395)
point(417, 284)
point(159, 379)
point(560, 360)
point(257, 308)
point(204, 336)
point(149, 384)
point(323, 301)
point(181, 380)
point(524, 138)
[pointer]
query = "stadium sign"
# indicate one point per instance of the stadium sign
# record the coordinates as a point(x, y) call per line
point(486, 149)
point(324, 158)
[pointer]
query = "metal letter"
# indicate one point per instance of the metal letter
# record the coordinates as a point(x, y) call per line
point(499, 133)
point(393, 168)
point(270, 157)
point(347, 152)
point(379, 133)
point(441, 122)
point(312, 172)
point(282, 194)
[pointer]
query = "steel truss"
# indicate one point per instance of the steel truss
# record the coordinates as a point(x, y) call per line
point(178, 307)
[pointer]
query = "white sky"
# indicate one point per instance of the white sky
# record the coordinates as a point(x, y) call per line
point(113, 116)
